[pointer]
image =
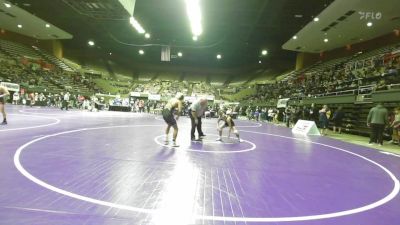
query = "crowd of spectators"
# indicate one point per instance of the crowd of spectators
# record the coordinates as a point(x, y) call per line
point(33, 78)
point(202, 88)
point(351, 76)
point(344, 78)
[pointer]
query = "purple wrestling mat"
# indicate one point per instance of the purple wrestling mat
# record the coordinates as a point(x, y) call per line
point(76, 167)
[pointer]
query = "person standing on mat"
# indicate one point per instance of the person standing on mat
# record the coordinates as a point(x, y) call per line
point(174, 106)
point(377, 119)
point(225, 120)
point(196, 111)
point(324, 115)
point(338, 119)
point(65, 101)
point(3, 93)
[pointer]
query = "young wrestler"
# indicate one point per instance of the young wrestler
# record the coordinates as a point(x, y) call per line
point(174, 106)
point(225, 120)
point(3, 93)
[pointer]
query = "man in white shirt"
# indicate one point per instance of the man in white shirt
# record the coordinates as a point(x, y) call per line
point(197, 110)
point(15, 98)
point(65, 101)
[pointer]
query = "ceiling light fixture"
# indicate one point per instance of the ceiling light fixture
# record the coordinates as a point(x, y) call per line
point(141, 52)
point(19, 26)
point(91, 43)
point(219, 56)
point(47, 25)
point(294, 37)
point(316, 19)
point(193, 11)
point(136, 25)
point(369, 24)
point(195, 38)
point(326, 40)
point(180, 54)
point(264, 52)
point(147, 35)
point(8, 5)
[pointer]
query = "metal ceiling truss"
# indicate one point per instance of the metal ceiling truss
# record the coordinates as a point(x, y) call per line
point(99, 9)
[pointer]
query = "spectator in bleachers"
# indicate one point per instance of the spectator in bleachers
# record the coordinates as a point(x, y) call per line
point(380, 86)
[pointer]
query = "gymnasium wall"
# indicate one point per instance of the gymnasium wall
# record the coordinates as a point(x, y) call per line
point(377, 96)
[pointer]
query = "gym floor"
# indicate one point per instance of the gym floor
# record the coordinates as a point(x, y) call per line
point(75, 167)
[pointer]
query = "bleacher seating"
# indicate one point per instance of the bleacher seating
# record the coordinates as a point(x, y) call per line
point(52, 59)
point(18, 50)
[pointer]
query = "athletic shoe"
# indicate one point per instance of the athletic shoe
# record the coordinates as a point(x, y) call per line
point(218, 139)
point(175, 145)
point(202, 135)
point(4, 123)
point(240, 140)
point(166, 142)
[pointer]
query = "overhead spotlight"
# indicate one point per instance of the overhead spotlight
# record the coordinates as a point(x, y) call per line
point(259, 61)
point(91, 43)
point(219, 56)
point(195, 38)
point(264, 52)
point(193, 12)
point(47, 25)
point(326, 40)
point(137, 25)
point(180, 54)
point(19, 26)
point(8, 5)
point(110, 53)
point(369, 24)
point(147, 36)
point(294, 37)
point(316, 19)
point(141, 52)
